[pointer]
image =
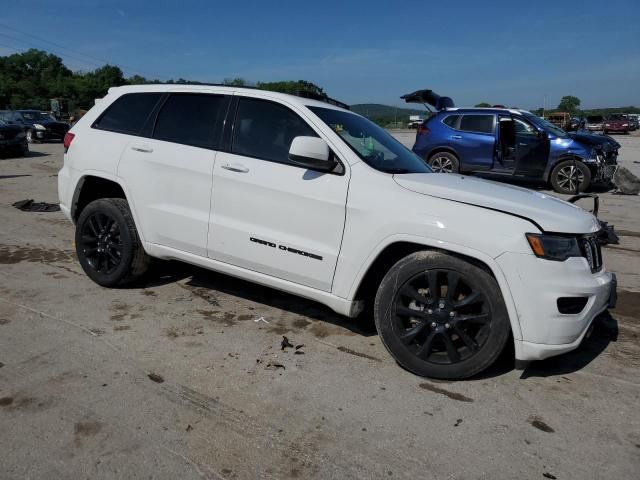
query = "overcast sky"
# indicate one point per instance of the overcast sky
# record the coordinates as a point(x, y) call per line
point(513, 53)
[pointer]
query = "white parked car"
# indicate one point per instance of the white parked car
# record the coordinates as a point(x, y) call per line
point(307, 197)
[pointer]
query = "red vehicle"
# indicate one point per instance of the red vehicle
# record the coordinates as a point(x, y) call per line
point(618, 123)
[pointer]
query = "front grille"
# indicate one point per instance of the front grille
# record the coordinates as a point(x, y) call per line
point(590, 248)
point(58, 129)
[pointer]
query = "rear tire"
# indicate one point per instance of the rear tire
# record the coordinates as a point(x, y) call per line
point(107, 243)
point(453, 334)
point(444, 162)
point(563, 177)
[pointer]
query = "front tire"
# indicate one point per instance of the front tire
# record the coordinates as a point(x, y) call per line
point(440, 316)
point(107, 243)
point(565, 175)
point(444, 162)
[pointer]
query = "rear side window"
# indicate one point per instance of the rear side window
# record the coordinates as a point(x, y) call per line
point(265, 130)
point(451, 121)
point(191, 119)
point(477, 123)
point(128, 113)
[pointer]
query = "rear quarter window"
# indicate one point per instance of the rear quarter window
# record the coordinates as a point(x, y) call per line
point(451, 121)
point(477, 123)
point(128, 113)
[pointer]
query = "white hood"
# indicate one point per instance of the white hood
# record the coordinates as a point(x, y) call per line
point(550, 213)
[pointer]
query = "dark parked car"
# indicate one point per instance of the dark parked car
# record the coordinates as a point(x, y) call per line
point(594, 123)
point(618, 123)
point(43, 126)
point(505, 143)
point(13, 141)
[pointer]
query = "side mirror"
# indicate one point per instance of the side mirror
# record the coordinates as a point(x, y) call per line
point(312, 153)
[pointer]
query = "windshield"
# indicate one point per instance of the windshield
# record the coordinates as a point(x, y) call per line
point(35, 116)
point(10, 116)
point(546, 126)
point(594, 118)
point(617, 116)
point(371, 143)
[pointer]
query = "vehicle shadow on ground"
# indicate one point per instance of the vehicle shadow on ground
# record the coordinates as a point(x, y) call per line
point(34, 154)
point(604, 332)
point(2, 177)
point(163, 273)
point(166, 272)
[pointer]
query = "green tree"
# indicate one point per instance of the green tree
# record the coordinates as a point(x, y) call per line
point(235, 82)
point(569, 104)
point(483, 105)
point(291, 86)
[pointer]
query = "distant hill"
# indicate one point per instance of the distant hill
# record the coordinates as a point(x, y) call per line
point(378, 110)
point(386, 115)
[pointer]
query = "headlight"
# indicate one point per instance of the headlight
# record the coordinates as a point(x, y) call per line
point(625, 124)
point(553, 247)
point(607, 125)
point(37, 126)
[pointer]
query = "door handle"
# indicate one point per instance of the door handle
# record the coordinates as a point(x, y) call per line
point(143, 149)
point(456, 137)
point(236, 167)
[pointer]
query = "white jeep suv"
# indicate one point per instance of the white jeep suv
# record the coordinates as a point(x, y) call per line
point(307, 197)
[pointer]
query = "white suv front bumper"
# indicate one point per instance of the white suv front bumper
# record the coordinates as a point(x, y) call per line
point(536, 284)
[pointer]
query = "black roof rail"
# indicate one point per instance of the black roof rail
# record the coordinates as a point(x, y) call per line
point(322, 97)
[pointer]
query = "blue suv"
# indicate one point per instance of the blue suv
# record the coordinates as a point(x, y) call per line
point(504, 143)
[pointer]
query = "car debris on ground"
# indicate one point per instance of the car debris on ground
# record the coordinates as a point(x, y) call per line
point(29, 205)
point(285, 343)
point(626, 182)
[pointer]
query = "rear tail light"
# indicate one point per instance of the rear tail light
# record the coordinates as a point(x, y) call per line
point(68, 138)
point(423, 130)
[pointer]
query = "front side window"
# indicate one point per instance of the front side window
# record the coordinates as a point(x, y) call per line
point(371, 143)
point(545, 125)
point(191, 119)
point(128, 113)
point(477, 123)
point(265, 130)
point(524, 128)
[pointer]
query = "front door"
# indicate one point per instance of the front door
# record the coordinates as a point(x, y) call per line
point(269, 215)
point(169, 171)
point(532, 149)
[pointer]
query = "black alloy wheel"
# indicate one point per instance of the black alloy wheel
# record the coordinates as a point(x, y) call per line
point(101, 242)
point(441, 317)
point(107, 243)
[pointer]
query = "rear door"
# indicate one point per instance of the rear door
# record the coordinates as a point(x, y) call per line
point(169, 169)
point(269, 215)
point(475, 141)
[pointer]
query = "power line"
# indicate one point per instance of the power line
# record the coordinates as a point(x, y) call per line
point(101, 63)
point(37, 46)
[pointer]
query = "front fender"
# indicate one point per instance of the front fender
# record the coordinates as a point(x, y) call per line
point(455, 249)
